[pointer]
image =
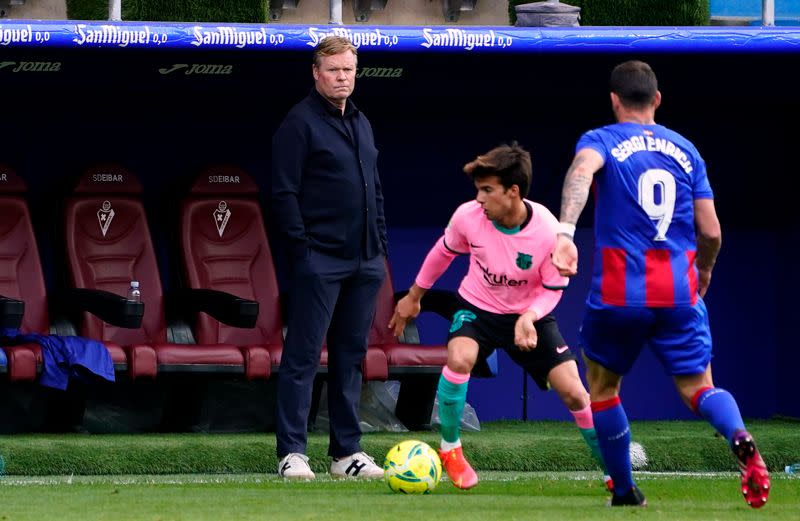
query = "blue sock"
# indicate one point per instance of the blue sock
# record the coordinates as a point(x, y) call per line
point(614, 437)
point(718, 407)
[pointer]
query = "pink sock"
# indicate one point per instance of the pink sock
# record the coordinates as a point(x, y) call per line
point(584, 417)
point(454, 377)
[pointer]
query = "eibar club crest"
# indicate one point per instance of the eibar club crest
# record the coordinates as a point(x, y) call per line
point(524, 261)
point(221, 216)
point(104, 216)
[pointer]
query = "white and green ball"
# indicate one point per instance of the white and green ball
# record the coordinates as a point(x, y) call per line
point(412, 467)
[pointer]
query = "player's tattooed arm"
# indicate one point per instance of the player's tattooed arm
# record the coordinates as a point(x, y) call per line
point(578, 182)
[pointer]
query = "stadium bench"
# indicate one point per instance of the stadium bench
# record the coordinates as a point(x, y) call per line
point(25, 302)
point(108, 244)
point(28, 309)
point(225, 250)
point(23, 299)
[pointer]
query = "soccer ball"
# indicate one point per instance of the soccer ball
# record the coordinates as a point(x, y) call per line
point(638, 456)
point(412, 467)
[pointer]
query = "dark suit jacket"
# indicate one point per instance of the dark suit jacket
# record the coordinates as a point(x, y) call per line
point(326, 194)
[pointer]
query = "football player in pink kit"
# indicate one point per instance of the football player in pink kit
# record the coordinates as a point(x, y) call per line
point(657, 237)
point(505, 299)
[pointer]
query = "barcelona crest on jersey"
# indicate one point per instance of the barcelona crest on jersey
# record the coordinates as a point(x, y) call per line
point(524, 261)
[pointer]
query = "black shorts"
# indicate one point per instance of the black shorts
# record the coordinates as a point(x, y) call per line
point(492, 331)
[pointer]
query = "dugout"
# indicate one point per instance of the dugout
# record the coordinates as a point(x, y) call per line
point(166, 100)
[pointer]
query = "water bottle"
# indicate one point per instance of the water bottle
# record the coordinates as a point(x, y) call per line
point(134, 294)
point(793, 469)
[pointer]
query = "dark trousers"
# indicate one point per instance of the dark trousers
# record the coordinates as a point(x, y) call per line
point(337, 296)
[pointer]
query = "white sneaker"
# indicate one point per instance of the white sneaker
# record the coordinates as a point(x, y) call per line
point(359, 465)
point(295, 466)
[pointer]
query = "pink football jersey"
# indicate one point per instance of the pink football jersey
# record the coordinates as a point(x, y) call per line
point(509, 270)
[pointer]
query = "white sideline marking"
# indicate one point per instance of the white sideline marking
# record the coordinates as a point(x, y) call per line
point(201, 479)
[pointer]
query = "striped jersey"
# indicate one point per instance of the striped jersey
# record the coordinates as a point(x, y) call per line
point(644, 230)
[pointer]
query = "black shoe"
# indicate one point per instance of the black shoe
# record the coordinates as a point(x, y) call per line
point(633, 498)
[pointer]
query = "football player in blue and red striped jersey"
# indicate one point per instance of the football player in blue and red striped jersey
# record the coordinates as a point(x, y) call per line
point(657, 237)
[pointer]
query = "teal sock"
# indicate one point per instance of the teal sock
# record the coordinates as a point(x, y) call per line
point(590, 437)
point(452, 398)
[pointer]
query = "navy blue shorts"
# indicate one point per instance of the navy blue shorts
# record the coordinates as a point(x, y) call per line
point(679, 337)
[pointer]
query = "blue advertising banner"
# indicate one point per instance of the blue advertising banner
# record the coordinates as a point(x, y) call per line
point(182, 36)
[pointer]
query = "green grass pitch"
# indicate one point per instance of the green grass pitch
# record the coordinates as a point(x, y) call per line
point(499, 496)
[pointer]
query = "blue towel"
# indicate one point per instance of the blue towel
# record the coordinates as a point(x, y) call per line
point(65, 356)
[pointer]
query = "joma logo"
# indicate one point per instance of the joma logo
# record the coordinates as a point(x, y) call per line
point(31, 66)
point(198, 68)
point(380, 72)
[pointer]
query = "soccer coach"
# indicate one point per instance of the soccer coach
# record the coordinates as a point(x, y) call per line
point(328, 205)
